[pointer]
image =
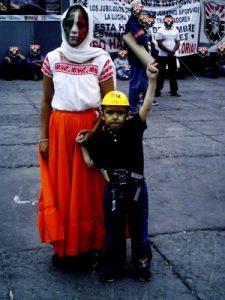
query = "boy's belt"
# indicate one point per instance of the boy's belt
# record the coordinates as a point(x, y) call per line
point(122, 180)
point(121, 176)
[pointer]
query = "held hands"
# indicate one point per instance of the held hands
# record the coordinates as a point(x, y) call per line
point(83, 135)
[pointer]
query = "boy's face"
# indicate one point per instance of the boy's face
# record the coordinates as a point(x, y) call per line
point(76, 27)
point(114, 116)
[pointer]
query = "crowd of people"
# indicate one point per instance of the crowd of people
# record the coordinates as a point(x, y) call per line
point(212, 65)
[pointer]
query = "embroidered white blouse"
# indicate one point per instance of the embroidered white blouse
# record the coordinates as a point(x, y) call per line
point(76, 86)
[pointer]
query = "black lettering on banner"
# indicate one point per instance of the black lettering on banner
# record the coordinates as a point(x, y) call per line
point(93, 7)
point(122, 27)
point(183, 37)
point(186, 28)
point(113, 15)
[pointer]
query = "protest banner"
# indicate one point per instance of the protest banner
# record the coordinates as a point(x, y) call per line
point(111, 17)
point(186, 15)
point(212, 30)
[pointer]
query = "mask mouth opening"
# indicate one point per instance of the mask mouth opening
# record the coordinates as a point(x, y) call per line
point(13, 51)
point(123, 54)
point(146, 20)
point(202, 51)
point(35, 50)
point(221, 49)
point(168, 21)
point(168, 24)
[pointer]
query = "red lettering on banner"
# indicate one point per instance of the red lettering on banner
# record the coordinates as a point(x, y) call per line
point(115, 43)
point(187, 48)
point(76, 70)
point(99, 44)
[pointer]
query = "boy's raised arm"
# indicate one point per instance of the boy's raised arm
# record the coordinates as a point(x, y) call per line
point(152, 73)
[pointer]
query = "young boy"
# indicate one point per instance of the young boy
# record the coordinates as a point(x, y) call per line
point(117, 150)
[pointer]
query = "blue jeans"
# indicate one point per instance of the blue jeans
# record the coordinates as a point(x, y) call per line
point(138, 85)
point(136, 213)
point(123, 73)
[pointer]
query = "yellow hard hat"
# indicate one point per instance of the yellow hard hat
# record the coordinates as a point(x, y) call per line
point(115, 98)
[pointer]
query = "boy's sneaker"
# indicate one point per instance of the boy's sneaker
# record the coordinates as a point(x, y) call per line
point(142, 269)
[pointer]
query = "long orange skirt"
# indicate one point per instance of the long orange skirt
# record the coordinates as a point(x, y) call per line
point(70, 215)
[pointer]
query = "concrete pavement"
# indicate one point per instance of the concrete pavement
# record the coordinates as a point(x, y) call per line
point(185, 170)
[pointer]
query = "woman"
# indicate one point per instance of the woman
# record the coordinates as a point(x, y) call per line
point(75, 78)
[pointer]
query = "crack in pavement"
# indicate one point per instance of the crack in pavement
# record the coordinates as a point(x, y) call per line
point(36, 108)
point(7, 276)
point(219, 229)
point(20, 166)
point(179, 276)
point(166, 260)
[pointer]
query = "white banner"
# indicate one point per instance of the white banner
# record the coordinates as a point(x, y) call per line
point(111, 17)
point(212, 25)
point(186, 18)
point(110, 20)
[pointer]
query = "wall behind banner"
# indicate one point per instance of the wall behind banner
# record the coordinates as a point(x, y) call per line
point(24, 33)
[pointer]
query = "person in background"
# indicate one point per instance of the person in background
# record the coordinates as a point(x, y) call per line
point(203, 59)
point(221, 54)
point(118, 152)
point(148, 20)
point(168, 41)
point(138, 79)
point(122, 65)
point(75, 78)
point(34, 62)
point(14, 66)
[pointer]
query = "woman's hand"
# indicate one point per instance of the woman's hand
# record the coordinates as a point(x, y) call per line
point(43, 148)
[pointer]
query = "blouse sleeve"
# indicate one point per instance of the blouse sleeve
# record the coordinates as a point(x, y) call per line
point(46, 67)
point(107, 71)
